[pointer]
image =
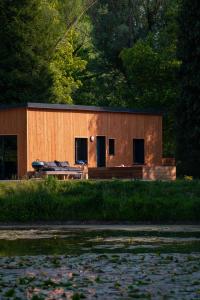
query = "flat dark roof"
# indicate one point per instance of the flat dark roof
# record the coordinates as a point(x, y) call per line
point(81, 108)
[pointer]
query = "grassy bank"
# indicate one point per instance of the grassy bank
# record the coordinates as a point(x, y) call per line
point(133, 201)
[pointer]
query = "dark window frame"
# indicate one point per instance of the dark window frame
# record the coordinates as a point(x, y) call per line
point(78, 155)
point(9, 161)
point(111, 147)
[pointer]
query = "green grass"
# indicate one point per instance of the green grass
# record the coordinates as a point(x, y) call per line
point(117, 201)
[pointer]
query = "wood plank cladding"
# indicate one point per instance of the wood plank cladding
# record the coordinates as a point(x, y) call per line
point(51, 135)
point(14, 122)
point(135, 172)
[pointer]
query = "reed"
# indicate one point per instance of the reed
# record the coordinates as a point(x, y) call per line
point(115, 201)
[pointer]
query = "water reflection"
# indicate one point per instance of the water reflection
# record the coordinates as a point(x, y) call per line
point(77, 241)
point(98, 263)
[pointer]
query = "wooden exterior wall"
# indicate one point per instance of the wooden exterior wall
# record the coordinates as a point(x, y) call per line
point(14, 122)
point(51, 135)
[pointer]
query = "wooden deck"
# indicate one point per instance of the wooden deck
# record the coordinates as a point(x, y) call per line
point(134, 172)
point(142, 172)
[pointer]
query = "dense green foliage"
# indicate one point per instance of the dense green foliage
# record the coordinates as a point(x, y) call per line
point(133, 201)
point(188, 108)
point(118, 25)
point(23, 69)
point(37, 60)
point(65, 72)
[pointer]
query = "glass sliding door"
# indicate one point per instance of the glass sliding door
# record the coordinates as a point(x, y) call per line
point(8, 157)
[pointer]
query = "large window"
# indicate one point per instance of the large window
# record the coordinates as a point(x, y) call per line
point(111, 147)
point(8, 156)
point(81, 150)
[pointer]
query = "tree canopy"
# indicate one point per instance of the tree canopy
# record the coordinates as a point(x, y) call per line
point(35, 37)
point(23, 69)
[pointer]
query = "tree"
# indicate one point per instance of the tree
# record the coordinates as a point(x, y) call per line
point(65, 64)
point(32, 33)
point(24, 73)
point(151, 66)
point(65, 67)
point(152, 75)
point(188, 104)
point(102, 84)
point(117, 25)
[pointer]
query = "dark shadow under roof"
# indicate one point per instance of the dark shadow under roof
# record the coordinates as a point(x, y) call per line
point(81, 108)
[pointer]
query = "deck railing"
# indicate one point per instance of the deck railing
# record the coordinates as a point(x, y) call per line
point(168, 161)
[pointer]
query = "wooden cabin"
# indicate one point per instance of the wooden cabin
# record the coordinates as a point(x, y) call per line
point(108, 140)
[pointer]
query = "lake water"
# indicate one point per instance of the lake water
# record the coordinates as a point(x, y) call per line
point(100, 262)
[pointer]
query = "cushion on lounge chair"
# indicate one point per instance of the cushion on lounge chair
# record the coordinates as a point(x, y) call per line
point(62, 164)
point(50, 164)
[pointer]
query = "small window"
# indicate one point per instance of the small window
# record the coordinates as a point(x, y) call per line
point(111, 147)
point(81, 155)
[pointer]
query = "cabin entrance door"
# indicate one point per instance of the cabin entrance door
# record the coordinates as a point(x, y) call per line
point(8, 157)
point(138, 151)
point(101, 151)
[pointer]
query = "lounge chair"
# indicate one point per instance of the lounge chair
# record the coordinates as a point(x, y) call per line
point(61, 169)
